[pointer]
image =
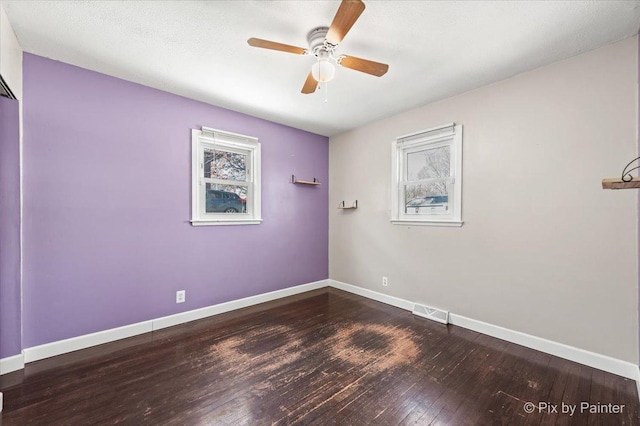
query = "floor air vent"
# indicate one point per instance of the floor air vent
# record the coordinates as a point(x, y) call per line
point(431, 313)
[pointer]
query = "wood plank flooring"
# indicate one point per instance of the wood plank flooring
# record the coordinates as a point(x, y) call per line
point(323, 357)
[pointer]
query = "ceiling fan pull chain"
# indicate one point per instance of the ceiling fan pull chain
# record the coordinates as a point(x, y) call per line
point(321, 78)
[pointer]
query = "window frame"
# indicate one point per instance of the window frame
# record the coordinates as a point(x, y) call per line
point(207, 138)
point(447, 135)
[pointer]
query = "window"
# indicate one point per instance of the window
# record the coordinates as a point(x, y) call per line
point(427, 177)
point(225, 178)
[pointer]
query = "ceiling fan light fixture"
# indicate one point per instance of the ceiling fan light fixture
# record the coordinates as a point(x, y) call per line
point(323, 70)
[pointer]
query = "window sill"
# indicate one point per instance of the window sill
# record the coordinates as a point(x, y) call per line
point(450, 223)
point(200, 222)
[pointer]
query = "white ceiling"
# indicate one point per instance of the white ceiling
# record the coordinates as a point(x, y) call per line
point(199, 49)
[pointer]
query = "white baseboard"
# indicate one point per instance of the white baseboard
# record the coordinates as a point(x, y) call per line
point(581, 356)
point(220, 308)
point(88, 340)
point(370, 294)
point(638, 381)
point(12, 363)
point(60, 347)
point(602, 362)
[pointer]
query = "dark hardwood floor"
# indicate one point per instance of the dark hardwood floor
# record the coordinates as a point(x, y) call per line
point(323, 357)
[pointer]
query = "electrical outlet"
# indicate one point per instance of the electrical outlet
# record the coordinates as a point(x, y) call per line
point(385, 281)
point(181, 296)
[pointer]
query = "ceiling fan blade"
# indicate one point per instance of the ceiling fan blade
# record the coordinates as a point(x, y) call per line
point(310, 85)
point(347, 15)
point(266, 44)
point(363, 65)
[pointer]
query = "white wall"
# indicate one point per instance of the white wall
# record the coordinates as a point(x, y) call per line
point(544, 249)
point(10, 56)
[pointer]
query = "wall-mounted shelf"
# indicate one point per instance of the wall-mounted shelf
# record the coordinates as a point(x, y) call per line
point(343, 206)
point(304, 182)
point(618, 183)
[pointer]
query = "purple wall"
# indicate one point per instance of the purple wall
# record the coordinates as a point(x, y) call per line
point(10, 340)
point(107, 174)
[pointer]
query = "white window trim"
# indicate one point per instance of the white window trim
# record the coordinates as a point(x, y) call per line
point(230, 141)
point(430, 136)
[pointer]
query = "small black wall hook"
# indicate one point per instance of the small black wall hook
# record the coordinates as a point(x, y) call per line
point(626, 172)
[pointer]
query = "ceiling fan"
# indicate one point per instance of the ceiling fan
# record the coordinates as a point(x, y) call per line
point(322, 44)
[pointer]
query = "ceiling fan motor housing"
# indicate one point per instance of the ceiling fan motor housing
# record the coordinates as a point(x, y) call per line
point(316, 39)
